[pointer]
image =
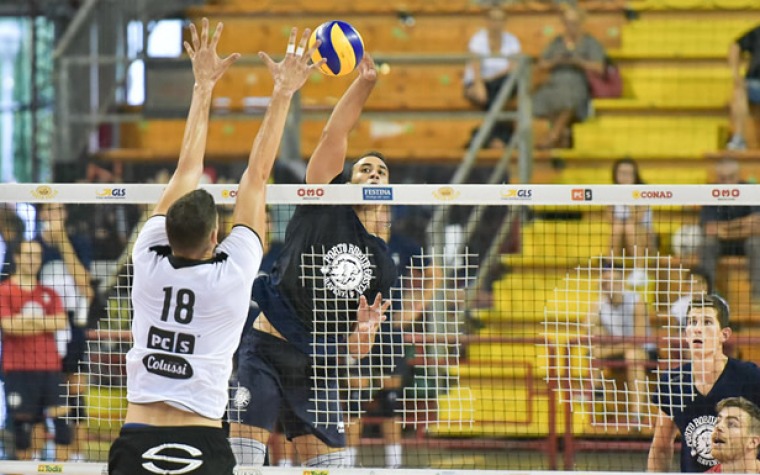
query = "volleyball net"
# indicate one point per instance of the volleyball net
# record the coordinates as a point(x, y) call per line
point(529, 325)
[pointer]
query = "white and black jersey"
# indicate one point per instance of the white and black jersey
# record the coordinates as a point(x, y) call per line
point(188, 317)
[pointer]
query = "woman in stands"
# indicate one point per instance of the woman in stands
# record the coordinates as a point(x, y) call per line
point(632, 231)
point(332, 259)
point(564, 97)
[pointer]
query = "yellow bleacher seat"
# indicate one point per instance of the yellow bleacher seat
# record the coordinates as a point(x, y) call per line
point(688, 37)
point(637, 136)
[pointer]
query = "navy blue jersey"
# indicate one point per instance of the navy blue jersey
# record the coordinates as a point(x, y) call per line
point(328, 260)
point(694, 413)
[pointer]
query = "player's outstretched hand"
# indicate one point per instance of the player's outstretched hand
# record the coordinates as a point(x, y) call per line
point(208, 67)
point(370, 317)
point(291, 73)
point(367, 69)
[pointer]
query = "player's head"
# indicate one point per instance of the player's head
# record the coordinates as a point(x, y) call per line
point(572, 18)
point(707, 323)
point(27, 256)
point(370, 168)
point(737, 431)
point(192, 224)
point(626, 172)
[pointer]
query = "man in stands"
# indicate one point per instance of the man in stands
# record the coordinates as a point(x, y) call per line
point(747, 87)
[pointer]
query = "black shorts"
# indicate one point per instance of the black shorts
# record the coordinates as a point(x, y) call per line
point(148, 450)
point(29, 393)
point(278, 385)
point(75, 360)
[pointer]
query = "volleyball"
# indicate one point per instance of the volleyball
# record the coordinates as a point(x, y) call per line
point(687, 240)
point(342, 46)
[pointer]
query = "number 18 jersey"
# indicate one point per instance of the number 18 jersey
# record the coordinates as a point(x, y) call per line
point(188, 318)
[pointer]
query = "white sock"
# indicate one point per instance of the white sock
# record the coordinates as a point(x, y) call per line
point(351, 457)
point(285, 463)
point(393, 455)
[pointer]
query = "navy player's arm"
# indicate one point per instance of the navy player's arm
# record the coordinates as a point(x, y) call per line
point(327, 160)
point(289, 75)
point(208, 67)
point(661, 450)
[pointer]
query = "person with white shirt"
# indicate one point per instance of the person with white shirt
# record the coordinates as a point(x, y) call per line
point(483, 77)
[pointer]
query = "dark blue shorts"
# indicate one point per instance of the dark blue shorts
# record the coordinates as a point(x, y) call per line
point(29, 393)
point(278, 383)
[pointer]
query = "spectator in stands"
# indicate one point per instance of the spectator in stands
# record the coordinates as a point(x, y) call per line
point(564, 97)
point(632, 232)
point(687, 395)
point(64, 269)
point(484, 77)
point(736, 438)
point(621, 313)
point(731, 230)
point(746, 89)
point(697, 283)
point(30, 314)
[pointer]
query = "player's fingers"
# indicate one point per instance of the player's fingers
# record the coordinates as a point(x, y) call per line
point(267, 60)
point(217, 35)
point(304, 42)
point(204, 32)
point(189, 49)
point(363, 301)
point(194, 37)
point(313, 48)
point(292, 41)
point(229, 60)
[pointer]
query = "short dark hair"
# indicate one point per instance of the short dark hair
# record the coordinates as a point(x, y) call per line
point(713, 301)
point(745, 405)
point(190, 220)
point(347, 172)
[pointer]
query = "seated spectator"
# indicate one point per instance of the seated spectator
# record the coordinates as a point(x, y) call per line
point(731, 230)
point(746, 88)
point(632, 232)
point(564, 97)
point(621, 313)
point(484, 77)
point(735, 441)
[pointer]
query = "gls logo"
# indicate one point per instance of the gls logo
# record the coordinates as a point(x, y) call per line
point(159, 454)
point(517, 194)
point(112, 193)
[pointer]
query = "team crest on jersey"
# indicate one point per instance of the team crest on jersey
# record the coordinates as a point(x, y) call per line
point(242, 397)
point(347, 271)
point(697, 436)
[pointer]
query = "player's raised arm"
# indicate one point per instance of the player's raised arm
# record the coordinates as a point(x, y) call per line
point(208, 67)
point(330, 154)
point(289, 75)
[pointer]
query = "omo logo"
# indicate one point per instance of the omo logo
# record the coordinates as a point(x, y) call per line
point(172, 459)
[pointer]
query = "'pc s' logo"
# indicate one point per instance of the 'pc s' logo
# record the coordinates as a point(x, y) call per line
point(165, 454)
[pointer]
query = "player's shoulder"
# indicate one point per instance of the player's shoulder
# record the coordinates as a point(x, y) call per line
point(744, 367)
